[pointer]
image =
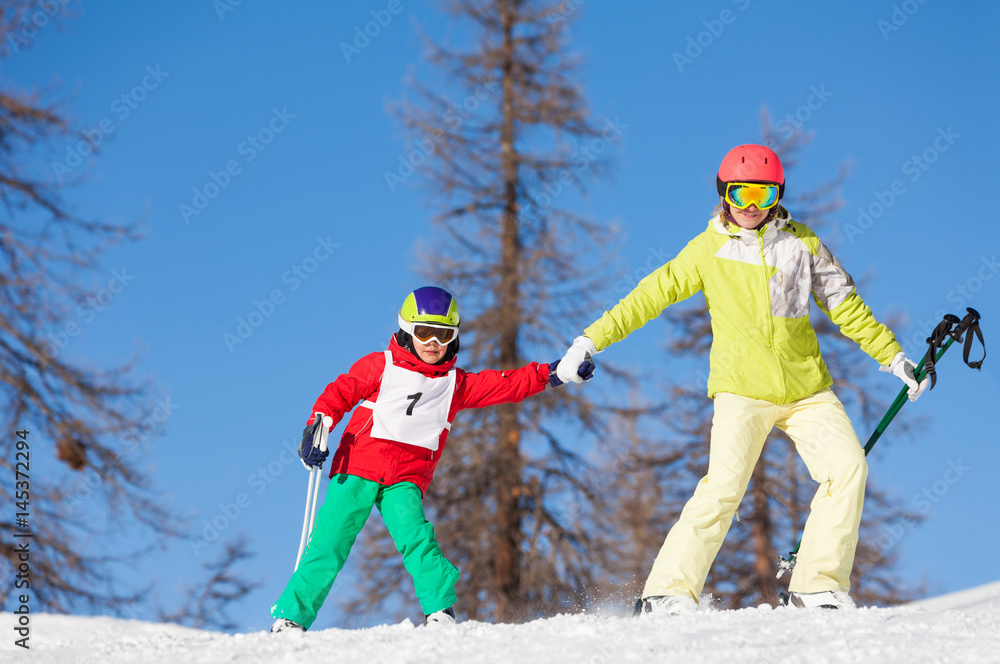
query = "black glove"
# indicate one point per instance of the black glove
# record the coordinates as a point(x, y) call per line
point(586, 372)
point(312, 455)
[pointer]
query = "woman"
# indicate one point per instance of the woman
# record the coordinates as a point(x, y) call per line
point(758, 269)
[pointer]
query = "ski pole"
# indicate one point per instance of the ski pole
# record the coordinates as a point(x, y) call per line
point(319, 475)
point(942, 337)
point(944, 327)
point(320, 433)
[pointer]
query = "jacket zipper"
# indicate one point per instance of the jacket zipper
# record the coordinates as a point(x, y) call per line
point(770, 315)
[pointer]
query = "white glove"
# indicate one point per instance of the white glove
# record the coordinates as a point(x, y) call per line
point(905, 369)
point(578, 353)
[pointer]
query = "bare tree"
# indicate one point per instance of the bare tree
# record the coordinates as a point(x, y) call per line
point(89, 418)
point(513, 149)
point(637, 502)
point(208, 601)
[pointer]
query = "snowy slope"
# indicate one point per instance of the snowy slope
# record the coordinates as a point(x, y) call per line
point(947, 633)
point(972, 600)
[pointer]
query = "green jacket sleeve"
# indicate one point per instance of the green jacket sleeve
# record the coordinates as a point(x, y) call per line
point(672, 282)
point(858, 323)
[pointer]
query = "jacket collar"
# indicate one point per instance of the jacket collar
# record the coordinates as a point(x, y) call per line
point(748, 235)
point(410, 361)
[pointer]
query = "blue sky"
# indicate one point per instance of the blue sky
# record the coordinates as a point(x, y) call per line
point(254, 145)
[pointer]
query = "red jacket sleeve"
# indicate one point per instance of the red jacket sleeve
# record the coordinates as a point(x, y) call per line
point(490, 387)
point(350, 388)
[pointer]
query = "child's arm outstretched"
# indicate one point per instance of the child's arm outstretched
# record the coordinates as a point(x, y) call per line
point(491, 387)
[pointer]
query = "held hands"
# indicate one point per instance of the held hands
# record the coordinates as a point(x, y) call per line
point(906, 370)
point(586, 372)
point(576, 365)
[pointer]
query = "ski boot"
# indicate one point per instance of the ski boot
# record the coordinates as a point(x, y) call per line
point(442, 617)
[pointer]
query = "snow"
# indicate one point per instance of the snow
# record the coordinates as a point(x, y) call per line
point(963, 626)
point(973, 600)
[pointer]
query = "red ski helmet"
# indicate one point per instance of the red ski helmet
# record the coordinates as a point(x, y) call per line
point(750, 163)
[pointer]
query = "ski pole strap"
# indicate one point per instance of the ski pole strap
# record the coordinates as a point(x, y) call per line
point(939, 336)
point(951, 329)
point(972, 329)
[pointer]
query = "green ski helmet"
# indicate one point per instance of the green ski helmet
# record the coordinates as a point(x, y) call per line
point(429, 313)
point(430, 304)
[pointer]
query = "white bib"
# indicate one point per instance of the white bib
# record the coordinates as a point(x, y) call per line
point(412, 408)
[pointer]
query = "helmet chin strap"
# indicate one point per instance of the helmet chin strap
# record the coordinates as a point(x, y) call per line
point(404, 339)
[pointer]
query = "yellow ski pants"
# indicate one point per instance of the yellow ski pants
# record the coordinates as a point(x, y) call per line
point(825, 440)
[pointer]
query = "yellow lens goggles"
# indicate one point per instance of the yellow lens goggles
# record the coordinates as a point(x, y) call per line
point(744, 194)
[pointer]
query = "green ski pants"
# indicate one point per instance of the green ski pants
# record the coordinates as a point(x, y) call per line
point(349, 502)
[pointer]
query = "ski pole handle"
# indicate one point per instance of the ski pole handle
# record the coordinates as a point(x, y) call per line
point(950, 329)
point(323, 422)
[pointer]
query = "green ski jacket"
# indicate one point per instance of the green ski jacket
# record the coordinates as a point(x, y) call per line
point(757, 284)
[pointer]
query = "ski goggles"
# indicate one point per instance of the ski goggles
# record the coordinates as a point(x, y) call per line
point(424, 333)
point(744, 194)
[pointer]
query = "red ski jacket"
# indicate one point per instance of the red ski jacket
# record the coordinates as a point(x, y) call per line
point(389, 462)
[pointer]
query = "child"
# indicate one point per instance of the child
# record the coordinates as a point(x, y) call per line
point(758, 268)
point(407, 397)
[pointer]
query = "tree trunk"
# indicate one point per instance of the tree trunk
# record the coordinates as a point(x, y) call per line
point(762, 534)
point(507, 554)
